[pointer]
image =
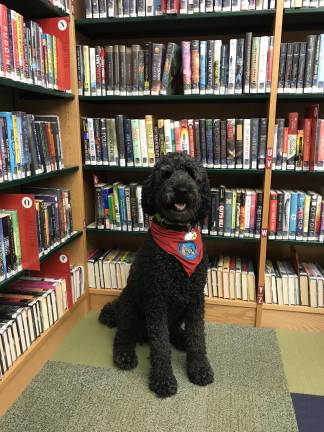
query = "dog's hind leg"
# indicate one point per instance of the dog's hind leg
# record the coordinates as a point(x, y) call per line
point(107, 315)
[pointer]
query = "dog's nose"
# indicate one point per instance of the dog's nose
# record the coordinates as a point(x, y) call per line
point(182, 189)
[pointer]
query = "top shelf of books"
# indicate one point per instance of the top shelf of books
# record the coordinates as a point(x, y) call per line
point(39, 8)
point(196, 24)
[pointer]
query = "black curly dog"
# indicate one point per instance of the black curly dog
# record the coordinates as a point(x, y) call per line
point(160, 297)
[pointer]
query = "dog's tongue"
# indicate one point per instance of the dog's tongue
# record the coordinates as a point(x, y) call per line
point(179, 206)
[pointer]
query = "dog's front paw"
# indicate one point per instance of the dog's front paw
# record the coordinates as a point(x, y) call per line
point(125, 359)
point(163, 385)
point(200, 372)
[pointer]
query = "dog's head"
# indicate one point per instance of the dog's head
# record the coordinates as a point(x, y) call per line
point(177, 189)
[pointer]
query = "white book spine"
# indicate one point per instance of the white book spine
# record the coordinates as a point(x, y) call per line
point(92, 142)
point(232, 65)
point(217, 62)
point(167, 135)
point(149, 8)
point(143, 143)
point(93, 82)
point(247, 143)
point(183, 6)
point(263, 56)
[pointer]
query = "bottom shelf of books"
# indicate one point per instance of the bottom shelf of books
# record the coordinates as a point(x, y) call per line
point(36, 312)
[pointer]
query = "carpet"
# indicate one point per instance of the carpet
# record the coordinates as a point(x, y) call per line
point(79, 390)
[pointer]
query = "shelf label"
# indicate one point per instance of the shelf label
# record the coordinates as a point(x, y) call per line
point(264, 232)
point(260, 299)
point(269, 158)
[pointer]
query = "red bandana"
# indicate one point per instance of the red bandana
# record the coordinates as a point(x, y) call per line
point(185, 246)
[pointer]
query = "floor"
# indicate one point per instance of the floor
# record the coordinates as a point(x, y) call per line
point(265, 381)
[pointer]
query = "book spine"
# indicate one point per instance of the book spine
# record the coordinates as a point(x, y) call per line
point(300, 215)
point(269, 65)
point(239, 67)
point(202, 69)
point(156, 68)
point(210, 64)
point(223, 144)
point(217, 65)
point(273, 215)
point(202, 130)
point(247, 144)
point(195, 68)
point(247, 61)
point(230, 144)
point(116, 77)
point(262, 72)
point(309, 64)
point(262, 143)
point(239, 144)
point(122, 69)
point(217, 143)
point(292, 140)
point(150, 140)
point(136, 142)
point(293, 216)
point(209, 143)
point(120, 139)
point(282, 67)
point(232, 66)
point(254, 64)
point(128, 142)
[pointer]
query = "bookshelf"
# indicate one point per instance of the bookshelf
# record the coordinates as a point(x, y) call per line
point(78, 177)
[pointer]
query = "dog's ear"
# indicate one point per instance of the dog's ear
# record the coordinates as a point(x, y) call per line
point(204, 194)
point(148, 198)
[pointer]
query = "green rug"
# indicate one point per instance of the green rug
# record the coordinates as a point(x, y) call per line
point(80, 390)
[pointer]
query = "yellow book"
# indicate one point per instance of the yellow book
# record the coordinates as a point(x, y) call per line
point(49, 51)
point(55, 61)
point(161, 137)
point(19, 24)
point(86, 71)
point(254, 64)
point(150, 140)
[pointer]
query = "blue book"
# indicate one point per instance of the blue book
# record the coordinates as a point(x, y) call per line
point(293, 215)
point(300, 215)
point(128, 142)
point(228, 212)
point(122, 207)
point(202, 71)
point(3, 266)
point(320, 74)
point(105, 205)
point(209, 143)
point(21, 165)
point(12, 175)
point(173, 142)
point(157, 7)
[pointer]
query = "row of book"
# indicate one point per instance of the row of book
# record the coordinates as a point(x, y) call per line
point(52, 221)
point(233, 212)
point(34, 52)
point(120, 141)
point(118, 207)
point(29, 145)
point(299, 145)
point(208, 67)
point(231, 278)
point(290, 284)
point(303, 4)
point(29, 307)
point(109, 269)
point(296, 215)
point(64, 5)
point(301, 68)
point(227, 277)
point(141, 8)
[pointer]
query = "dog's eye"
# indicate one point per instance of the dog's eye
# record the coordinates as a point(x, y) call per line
point(166, 173)
point(191, 172)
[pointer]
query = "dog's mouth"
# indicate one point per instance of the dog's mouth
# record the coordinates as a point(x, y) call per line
point(180, 206)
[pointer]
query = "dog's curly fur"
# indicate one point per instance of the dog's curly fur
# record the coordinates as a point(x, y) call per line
point(160, 297)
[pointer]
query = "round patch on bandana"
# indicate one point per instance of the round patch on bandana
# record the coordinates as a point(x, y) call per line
point(188, 250)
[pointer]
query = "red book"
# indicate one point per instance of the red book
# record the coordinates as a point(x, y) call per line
point(177, 133)
point(14, 42)
point(60, 28)
point(103, 75)
point(253, 212)
point(307, 143)
point(312, 112)
point(292, 139)
point(320, 150)
point(25, 206)
point(285, 149)
point(273, 214)
point(6, 65)
point(58, 266)
point(191, 138)
point(164, 7)
point(184, 136)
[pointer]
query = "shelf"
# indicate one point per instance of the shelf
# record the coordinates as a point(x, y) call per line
point(298, 173)
point(296, 242)
point(297, 308)
point(38, 177)
point(308, 18)
point(31, 361)
point(147, 169)
point(177, 98)
point(303, 97)
point(92, 230)
point(17, 275)
point(196, 24)
point(38, 9)
point(30, 90)
point(217, 309)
